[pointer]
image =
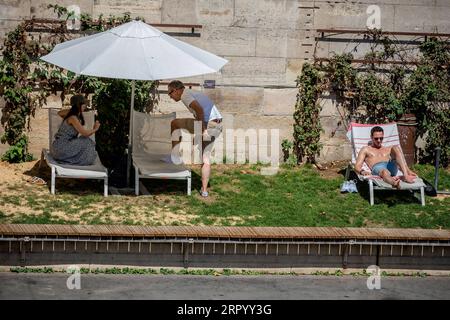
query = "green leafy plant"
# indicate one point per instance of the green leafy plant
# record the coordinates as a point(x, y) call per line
point(26, 82)
point(289, 158)
point(60, 10)
point(112, 101)
point(15, 88)
point(18, 152)
point(307, 127)
point(381, 92)
point(378, 99)
point(286, 147)
point(427, 95)
point(342, 75)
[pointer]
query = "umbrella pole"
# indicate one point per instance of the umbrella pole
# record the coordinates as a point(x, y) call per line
point(130, 133)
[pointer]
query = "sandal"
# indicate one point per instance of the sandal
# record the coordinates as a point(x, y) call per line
point(38, 181)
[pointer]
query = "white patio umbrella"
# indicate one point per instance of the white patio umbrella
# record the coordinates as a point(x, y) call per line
point(133, 51)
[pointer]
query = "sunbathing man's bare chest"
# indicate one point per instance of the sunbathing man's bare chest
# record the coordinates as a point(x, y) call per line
point(374, 155)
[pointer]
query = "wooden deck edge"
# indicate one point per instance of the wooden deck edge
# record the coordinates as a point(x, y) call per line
point(224, 232)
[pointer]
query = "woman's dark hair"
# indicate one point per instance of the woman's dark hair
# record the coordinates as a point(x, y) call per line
point(76, 101)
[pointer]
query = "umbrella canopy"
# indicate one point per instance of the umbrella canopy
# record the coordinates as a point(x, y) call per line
point(134, 51)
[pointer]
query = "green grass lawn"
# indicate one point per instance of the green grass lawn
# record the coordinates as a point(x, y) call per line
point(240, 196)
point(300, 197)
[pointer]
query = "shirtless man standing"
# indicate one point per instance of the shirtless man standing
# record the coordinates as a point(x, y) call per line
point(383, 160)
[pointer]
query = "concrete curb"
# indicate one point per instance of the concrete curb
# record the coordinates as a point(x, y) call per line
point(263, 271)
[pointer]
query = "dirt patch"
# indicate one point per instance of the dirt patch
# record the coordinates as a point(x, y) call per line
point(15, 188)
point(181, 217)
point(234, 186)
point(371, 224)
point(223, 169)
point(441, 197)
point(210, 199)
point(80, 202)
point(14, 173)
point(233, 220)
point(332, 170)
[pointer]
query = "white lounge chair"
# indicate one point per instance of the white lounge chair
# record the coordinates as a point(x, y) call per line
point(94, 171)
point(359, 136)
point(151, 142)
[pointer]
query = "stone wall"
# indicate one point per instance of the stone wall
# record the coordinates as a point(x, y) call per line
point(266, 43)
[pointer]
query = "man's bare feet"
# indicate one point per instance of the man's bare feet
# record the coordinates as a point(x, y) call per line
point(411, 173)
point(396, 183)
point(409, 178)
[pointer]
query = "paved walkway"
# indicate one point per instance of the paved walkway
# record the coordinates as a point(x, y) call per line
point(53, 286)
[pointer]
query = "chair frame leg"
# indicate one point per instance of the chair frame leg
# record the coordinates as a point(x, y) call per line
point(347, 172)
point(105, 187)
point(371, 192)
point(136, 181)
point(189, 186)
point(422, 196)
point(41, 161)
point(53, 181)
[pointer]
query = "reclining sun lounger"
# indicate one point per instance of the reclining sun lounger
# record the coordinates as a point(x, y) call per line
point(359, 136)
point(151, 142)
point(94, 171)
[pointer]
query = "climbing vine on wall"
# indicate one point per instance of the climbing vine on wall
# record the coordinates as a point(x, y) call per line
point(307, 126)
point(113, 106)
point(378, 92)
point(26, 82)
point(16, 86)
point(427, 95)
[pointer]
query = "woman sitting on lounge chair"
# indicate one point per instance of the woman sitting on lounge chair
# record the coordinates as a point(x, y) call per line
point(72, 144)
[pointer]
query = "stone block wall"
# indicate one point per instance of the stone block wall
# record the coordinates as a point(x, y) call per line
point(266, 43)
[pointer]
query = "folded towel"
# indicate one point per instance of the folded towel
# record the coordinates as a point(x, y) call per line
point(172, 159)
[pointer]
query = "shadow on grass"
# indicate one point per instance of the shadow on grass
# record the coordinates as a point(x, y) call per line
point(391, 198)
point(77, 187)
point(172, 187)
point(81, 187)
point(351, 173)
point(44, 173)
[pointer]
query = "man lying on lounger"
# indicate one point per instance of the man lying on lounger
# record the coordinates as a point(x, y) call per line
point(383, 161)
